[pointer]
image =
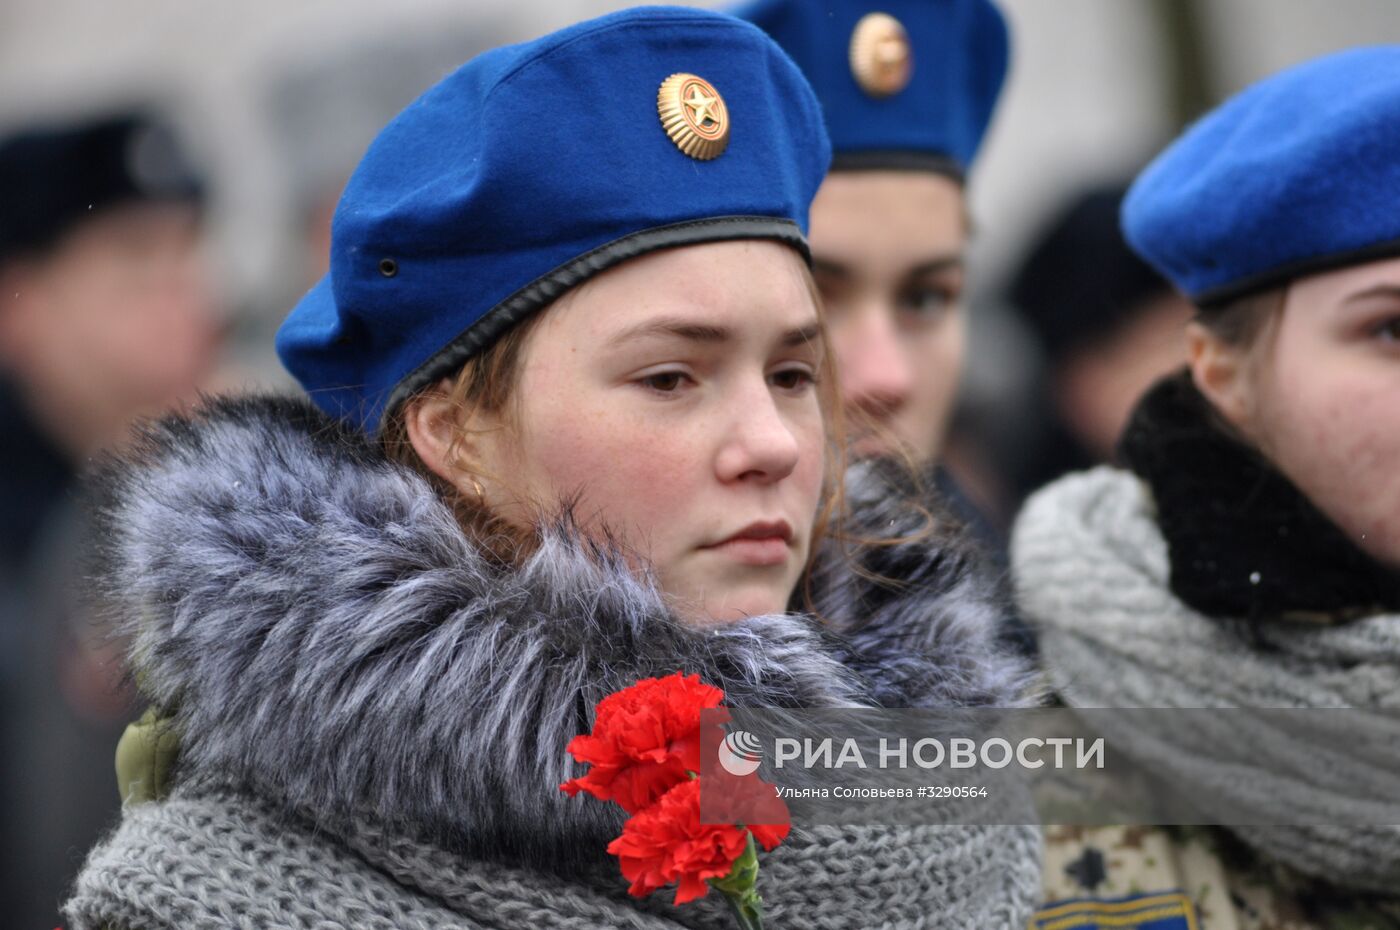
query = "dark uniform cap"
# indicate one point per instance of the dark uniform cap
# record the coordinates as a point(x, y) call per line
point(1296, 174)
point(902, 83)
point(53, 178)
point(1080, 282)
point(532, 168)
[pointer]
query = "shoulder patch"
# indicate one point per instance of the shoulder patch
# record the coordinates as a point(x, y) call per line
point(1163, 911)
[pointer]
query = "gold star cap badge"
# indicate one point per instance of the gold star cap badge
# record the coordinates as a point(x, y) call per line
point(881, 57)
point(693, 115)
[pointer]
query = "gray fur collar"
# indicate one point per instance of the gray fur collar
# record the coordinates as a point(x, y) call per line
point(325, 634)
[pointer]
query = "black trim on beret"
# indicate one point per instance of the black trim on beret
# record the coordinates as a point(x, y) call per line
point(547, 288)
point(1217, 297)
point(898, 160)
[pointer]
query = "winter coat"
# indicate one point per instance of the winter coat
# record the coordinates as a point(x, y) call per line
point(1204, 579)
point(372, 715)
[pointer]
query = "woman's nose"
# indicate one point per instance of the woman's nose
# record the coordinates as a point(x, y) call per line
point(761, 444)
point(875, 373)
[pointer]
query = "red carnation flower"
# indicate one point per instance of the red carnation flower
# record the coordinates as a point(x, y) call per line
point(769, 835)
point(749, 800)
point(644, 754)
point(667, 843)
point(645, 741)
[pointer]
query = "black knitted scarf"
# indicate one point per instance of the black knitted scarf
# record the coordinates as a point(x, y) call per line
point(1244, 541)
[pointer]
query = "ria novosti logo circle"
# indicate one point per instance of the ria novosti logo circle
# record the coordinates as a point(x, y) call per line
point(740, 753)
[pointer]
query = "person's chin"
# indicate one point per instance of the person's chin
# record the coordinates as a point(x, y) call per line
point(893, 438)
point(714, 589)
point(743, 602)
point(868, 447)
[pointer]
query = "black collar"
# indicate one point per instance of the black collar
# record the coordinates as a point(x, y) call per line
point(1243, 540)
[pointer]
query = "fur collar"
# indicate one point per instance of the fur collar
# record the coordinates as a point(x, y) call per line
point(325, 634)
point(1243, 540)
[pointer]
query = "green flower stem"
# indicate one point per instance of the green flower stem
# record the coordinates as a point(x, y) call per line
point(746, 918)
point(740, 889)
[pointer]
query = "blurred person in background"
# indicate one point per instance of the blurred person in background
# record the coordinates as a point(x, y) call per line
point(1108, 326)
point(106, 315)
point(908, 89)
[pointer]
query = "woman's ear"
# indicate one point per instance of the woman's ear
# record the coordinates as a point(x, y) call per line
point(433, 423)
point(1221, 372)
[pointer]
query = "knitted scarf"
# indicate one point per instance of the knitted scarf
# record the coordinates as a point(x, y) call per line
point(1094, 573)
point(373, 714)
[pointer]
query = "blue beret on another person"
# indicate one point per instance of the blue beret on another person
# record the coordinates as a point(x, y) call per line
point(535, 166)
point(54, 177)
point(904, 84)
point(1296, 174)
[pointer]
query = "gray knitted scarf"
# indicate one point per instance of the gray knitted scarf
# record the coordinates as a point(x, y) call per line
point(373, 715)
point(1092, 572)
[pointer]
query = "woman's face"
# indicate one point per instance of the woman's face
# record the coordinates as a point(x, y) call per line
point(1323, 399)
point(888, 255)
point(674, 398)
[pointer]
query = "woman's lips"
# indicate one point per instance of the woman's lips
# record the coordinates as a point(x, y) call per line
point(761, 543)
point(762, 550)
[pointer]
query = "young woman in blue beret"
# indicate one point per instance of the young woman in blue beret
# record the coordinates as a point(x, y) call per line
point(907, 89)
point(572, 428)
point(1249, 553)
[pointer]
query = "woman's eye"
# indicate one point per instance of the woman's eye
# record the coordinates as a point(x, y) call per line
point(927, 304)
point(1389, 330)
point(664, 382)
point(792, 379)
point(836, 298)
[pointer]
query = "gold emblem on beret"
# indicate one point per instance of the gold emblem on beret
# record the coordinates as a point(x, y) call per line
point(881, 57)
point(693, 115)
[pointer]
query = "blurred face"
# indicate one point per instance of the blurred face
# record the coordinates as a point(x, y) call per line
point(1320, 395)
point(117, 321)
point(1097, 387)
point(675, 398)
point(888, 249)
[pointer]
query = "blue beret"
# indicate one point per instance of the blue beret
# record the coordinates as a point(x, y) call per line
point(934, 113)
point(53, 178)
point(535, 166)
point(1296, 174)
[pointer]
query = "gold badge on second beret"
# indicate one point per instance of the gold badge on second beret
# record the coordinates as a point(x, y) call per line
point(881, 57)
point(693, 115)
